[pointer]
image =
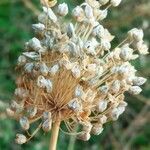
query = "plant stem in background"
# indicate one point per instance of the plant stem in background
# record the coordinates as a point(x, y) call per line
point(54, 135)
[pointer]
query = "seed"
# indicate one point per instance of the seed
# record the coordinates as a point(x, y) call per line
point(24, 122)
point(20, 139)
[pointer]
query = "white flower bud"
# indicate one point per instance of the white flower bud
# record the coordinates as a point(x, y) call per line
point(135, 90)
point(35, 44)
point(139, 81)
point(103, 2)
point(115, 3)
point(53, 70)
point(42, 18)
point(76, 72)
point(84, 136)
point(47, 125)
point(20, 139)
point(63, 9)
point(97, 129)
point(136, 34)
point(126, 52)
point(24, 122)
point(78, 14)
point(89, 12)
point(74, 105)
point(102, 105)
point(39, 27)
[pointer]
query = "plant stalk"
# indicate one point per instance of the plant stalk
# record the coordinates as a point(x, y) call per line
point(54, 135)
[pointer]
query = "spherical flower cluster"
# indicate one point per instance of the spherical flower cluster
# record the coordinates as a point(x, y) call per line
point(70, 73)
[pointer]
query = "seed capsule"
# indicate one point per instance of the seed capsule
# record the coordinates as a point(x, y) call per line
point(102, 105)
point(76, 72)
point(35, 44)
point(24, 122)
point(53, 70)
point(63, 9)
point(44, 69)
point(139, 81)
point(38, 27)
point(78, 14)
point(20, 139)
point(47, 125)
point(84, 136)
point(97, 129)
point(135, 90)
point(32, 111)
point(115, 3)
point(136, 34)
point(74, 105)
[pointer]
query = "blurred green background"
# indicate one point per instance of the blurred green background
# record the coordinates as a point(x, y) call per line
point(130, 132)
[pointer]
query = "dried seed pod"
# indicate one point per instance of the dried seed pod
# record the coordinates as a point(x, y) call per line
point(135, 90)
point(70, 30)
point(78, 14)
point(103, 2)
point(63, 9)
point(138, 81)
point(102, 119)
point(126, 52)
point(20, 139)
point(115, 87)
point(142, 48)
point(32, 55)
point(28, 67)
point(53, 70)
point(32, 111)
point(136, 34)
point(104, 89)
point(76, 72)
point(50, 14)
point(74, 105)
point(115, 3)
point(97, 129)
point(47, 125)
point(84, 136)
point(39, 27)
point(78, 91)
point(21, 60)
point(24, 122)
point(102, 14)
point(10, 112)
point(102, 105)
point(87, 127)
point(44, 69)
point(47, 115)
point(35, 44)
point(89, 12)
point(44, 83)
point(21, 92)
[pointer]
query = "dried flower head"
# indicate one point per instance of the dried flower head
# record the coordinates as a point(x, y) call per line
point(69, 72)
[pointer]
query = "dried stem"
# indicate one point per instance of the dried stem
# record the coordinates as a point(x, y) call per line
point(54, 135)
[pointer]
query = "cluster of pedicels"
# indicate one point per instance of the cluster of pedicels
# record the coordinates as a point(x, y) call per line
point(70, 73)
